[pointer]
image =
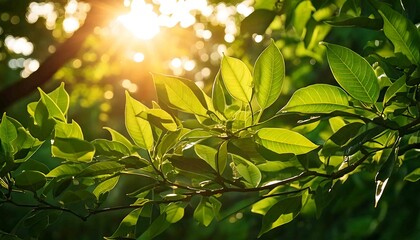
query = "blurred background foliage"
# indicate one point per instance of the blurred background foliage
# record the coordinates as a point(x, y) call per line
point(188, 38)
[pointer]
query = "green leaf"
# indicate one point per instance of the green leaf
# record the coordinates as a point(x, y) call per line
point(222, 100)
point(414, 176)
point(352, 8)
point(385, 172)
point(247, 170)
point(180, 94)
point(60, 185)
point(43, 124)
point(204, 212)
point(353, 73)
point(127, 227)
point(396, 87)
point(118, 137)
point(262, 206)
point(160, 118)
point(138, 128)
point(317, 98)
point(54, 112)
point(301, 16)
point(110, 148)
point(101, 168)
point(66, 170)
point(282, 212)
point(344, 134)
point(134, 162)
point(61, 98)
point(25, 140)
point(157, 227)
point(219, 94)
point(284, 141)
point(269, 74)
point(30, 180)
point(8, 131)
point(402, 33)
point(191, 164)
point(257, 22)
point(356, 143)
point(73, 149)
point(68, 130)
point(237, 78)
point(212, 156)
point(174, 212)
point(78, 199)
point(105, 186)
point(221, 157)
point(364, 22)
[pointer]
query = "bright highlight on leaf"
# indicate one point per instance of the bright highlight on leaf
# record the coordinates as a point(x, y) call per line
point(180, 94)
point(353, 73)
point(138, 128)
point(284, 141)
point(237, 78)
point(317, 98)
point(402, 33)
point(269, 74)
point(73, 149)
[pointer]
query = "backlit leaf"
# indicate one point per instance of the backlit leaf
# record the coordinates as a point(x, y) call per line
point(105, 186)
point(73, 149)
point(101, 168)
point(385, 172)
point(284, 141)
point(66, 170)
point(174, 212)
point(61, 98)
point(397, 86)
point(127, 226)
point(353, 73)
point(284, 211)
point(402, 33)
point(160, 118)
point(54, 112)
point(317, 98)
point(237, 78)
point(258, 21)
point(269, 73)
point(157, 227)
point(68, 130)
point(8, 131)
point(204, 212)
point(118, 137)
point(218, 94)
point(414, 176)
point(138, 128)
point(178, 94)
point(212, 156)
point(247, 170)
point(110, 148)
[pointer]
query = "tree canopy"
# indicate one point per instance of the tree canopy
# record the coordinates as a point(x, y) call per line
point(144, 119)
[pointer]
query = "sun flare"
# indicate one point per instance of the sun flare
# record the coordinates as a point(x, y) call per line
point(141, 21)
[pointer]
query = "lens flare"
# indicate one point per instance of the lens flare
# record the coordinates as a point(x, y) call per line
point(141, 21)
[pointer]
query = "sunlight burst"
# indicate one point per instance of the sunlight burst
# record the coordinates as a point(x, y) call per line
point(141, 20)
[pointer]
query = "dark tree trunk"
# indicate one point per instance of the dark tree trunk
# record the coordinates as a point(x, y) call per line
point(100, 14)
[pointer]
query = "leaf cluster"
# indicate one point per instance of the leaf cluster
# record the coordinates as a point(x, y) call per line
point(190, 149)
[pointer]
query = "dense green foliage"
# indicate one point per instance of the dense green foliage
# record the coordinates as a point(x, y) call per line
point(190, 150)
